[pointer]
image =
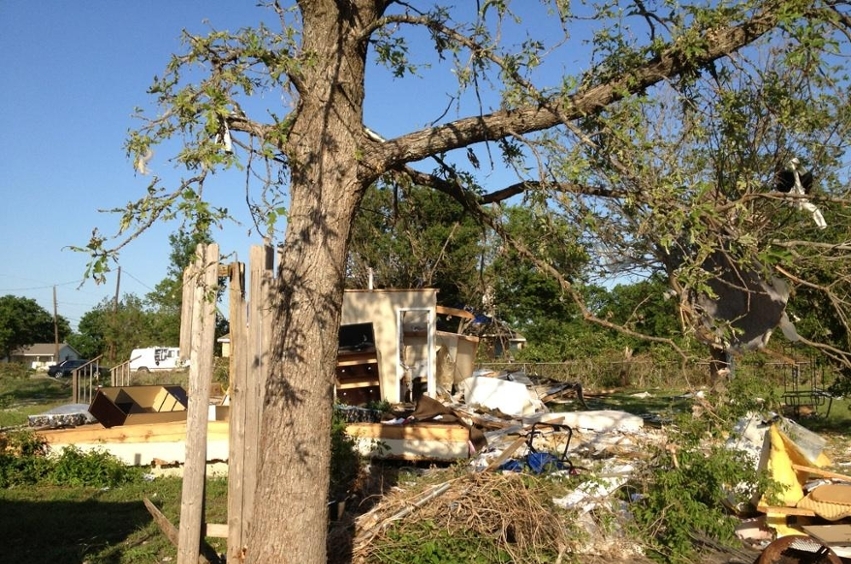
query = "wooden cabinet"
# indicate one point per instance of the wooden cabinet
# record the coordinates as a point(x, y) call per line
point(358, 379)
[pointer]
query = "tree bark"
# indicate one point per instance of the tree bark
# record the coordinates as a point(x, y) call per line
point(290, 517)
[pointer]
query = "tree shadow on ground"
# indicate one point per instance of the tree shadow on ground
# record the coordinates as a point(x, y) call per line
point(68, 532)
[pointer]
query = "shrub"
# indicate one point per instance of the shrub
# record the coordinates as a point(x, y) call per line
point(25, 460)
point(97, 469)
point(345, 460)
point(688, 481)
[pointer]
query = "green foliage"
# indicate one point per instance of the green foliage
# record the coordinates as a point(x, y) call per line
point(115, 329)
point(26, 460)
point(95, 468)
point(345, 460)
point(23, 323)
point(682, 495)
point(414, 237)
point(14, 371)
point(687, 481)
point(23, 460)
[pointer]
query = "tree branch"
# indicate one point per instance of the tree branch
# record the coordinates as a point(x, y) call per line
point(671, 62)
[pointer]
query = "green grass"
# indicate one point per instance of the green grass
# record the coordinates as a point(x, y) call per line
point(22, 397)
point(46, 525)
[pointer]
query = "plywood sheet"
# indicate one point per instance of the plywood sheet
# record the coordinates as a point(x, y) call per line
point(838, 535)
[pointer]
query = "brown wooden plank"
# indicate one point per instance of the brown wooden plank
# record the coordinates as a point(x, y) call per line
point(164, 432)
point(838, 534)
point(169, 530)
point(783, 510)
point(506, 454)
point(454, 312)
point(215, 530)
point(261, 265)
point(819, 472)
point(186, 314)
point(419, 431)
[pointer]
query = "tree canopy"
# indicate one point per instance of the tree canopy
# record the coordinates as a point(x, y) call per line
point(653, 130)
point(24, 323)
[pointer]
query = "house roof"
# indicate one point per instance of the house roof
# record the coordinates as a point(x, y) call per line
point(43, 349)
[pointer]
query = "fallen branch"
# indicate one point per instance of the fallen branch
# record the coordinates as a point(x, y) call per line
point(172, 534)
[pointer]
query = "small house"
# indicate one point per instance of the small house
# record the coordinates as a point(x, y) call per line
point(42, 355)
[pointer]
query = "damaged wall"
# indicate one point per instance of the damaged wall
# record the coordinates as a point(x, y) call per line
point(382, 309)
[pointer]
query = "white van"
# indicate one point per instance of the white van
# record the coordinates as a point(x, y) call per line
point(156, 358)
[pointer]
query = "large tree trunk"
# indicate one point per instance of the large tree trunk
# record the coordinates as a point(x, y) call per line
point(290, 516)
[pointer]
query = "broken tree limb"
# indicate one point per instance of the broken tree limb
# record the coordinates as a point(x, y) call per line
point(367, 534)
point(171, 532)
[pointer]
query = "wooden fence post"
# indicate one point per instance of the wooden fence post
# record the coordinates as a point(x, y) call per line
point(237, 386)
point(200, 380)
point(250, 349)
point(187, 316)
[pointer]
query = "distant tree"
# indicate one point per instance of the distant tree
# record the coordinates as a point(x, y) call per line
point(116, 329)
point(166, 300)
point(413, 237)
point(23, 323)
point(645, 306)
point(90, 339)
point(527, 297)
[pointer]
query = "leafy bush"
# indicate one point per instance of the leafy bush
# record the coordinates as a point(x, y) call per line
point(14, 370)
point(345, 460)
point(690, 478)
point(25, 460)
point(97, 469)
point(683, 495)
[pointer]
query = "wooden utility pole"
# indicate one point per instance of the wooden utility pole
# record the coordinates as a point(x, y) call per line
point(114, 323)
point(55, 328)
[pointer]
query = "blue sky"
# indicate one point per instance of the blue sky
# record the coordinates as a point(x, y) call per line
point(73, 74)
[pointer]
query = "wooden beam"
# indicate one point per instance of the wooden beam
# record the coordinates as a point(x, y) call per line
point(215, 530)
point(169, 530)
point(506, 454)
point(819, 472)
point(165, 432)
point(783, 510)
point(454, 312)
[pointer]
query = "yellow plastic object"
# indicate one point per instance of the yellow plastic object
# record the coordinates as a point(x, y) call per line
point(777, 521)
point(779, 467)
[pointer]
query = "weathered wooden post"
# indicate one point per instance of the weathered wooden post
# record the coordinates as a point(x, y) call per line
point(251, 330)
point(200, 380)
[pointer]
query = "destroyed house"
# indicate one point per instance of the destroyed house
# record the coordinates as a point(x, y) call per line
point(391, 349)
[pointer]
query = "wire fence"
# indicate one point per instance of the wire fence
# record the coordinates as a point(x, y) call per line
point(796, 376)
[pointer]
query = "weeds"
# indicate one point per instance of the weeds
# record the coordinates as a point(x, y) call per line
point(26, 460)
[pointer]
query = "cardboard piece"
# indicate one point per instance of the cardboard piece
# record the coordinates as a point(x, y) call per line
point(832, 535)
point(134, 405)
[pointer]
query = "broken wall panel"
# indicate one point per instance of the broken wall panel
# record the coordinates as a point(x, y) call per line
point(383, 309)
point(421, 441)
